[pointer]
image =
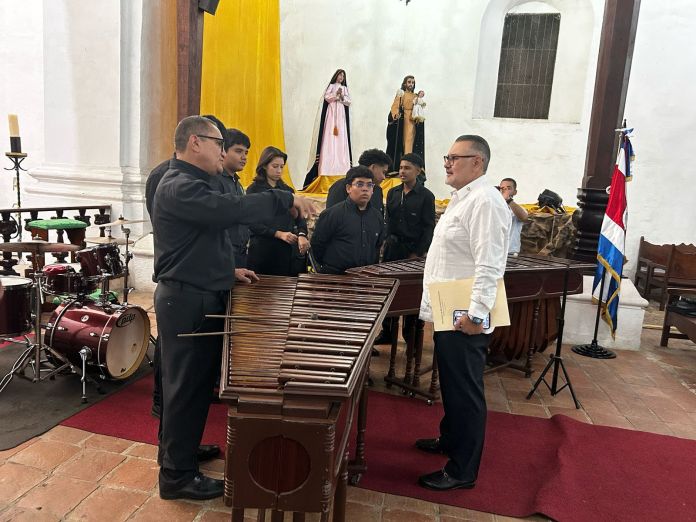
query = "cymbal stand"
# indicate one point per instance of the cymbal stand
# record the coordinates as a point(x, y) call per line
point(128, 256)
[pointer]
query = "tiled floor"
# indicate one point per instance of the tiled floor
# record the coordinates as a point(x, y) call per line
point(68, 474)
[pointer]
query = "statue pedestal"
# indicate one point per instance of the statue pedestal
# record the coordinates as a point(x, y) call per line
point(581, 312)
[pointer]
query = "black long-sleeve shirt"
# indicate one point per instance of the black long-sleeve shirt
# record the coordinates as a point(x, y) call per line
point(337, 194)
point(345, 237)
point(283, 222)
point(230, 184)
point(152, 182)
point(190, 219)
point(411, 217)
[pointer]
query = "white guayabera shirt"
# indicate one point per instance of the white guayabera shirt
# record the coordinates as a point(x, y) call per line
point(471, 239)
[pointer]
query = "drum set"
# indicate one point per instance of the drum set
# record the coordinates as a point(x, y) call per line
point(89, 332)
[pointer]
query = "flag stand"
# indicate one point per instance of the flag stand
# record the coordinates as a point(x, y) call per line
point(593, 349)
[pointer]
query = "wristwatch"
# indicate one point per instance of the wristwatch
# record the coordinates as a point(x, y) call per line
point(475, 320)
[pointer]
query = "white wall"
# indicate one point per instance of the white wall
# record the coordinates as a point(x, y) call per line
point(438, 41)
point(660, 105)
point(21, 87)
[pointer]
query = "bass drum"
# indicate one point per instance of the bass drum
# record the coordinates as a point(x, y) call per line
point(117, 336)
point(15, 305)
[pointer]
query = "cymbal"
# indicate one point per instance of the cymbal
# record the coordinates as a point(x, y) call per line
point(120, 222)
point(38, 246)
point(108, 240)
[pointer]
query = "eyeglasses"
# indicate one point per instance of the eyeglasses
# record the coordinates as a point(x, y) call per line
point(363, 184)
point(453, 157)
point(220, 141)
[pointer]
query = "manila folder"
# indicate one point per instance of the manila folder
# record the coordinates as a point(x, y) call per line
point(448, 296)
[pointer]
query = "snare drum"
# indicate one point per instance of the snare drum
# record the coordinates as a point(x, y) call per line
point(117, 336)
point(101, 258)
point(62, 279)
point(15, 305)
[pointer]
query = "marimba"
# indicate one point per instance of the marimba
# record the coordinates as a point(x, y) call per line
point(533, 284)
point(295, 361)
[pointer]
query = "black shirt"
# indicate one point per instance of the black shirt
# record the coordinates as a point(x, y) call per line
point(230, 184)
point(345, 237)
point(283, 222)
point(189, 219)
point(151, 184)
point(411, 218)
point(337, 193)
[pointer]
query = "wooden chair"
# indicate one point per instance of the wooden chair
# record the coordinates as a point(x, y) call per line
point(684, 323)
point(652, 259)
point(680, 273)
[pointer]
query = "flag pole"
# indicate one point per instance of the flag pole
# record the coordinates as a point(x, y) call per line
point(593, 349)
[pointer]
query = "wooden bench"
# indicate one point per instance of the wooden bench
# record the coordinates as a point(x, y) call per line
point(651, 259)
point(684, 323)
point(680, 273)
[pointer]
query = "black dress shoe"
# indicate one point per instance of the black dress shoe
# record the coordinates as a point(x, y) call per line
point(383, 338)
point(429, 445)
point(199, 488)
point(375, 352)
point(441, 481)
point(207, 452)
point(156, 410)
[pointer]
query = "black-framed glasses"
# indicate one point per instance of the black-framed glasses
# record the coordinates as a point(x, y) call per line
point(363, 184)
point(220, 141)
point(454, 157)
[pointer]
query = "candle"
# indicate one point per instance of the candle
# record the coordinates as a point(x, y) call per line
point(15, 140)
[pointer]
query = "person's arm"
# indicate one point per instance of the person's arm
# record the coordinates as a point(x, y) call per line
point(321, 236)
point(194, 201)
point(330, 95)
point(520, 212)
point(396, 106)
point(428, 220)
point(346, 97)
point(489, 228)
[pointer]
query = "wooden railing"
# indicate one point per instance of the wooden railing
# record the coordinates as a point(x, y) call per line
point(10, 227)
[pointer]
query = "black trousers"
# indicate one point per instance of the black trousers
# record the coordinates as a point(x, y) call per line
point(188, 366)
point(461, 360)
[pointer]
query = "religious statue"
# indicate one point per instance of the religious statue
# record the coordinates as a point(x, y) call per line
point(406, 122)
point(333, 155)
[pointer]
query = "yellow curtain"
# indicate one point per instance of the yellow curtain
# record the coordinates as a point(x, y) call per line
point(240, 81)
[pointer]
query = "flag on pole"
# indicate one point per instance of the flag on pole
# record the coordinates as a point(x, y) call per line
point(612, 239)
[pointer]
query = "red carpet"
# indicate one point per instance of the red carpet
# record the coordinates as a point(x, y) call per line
point(560, 467)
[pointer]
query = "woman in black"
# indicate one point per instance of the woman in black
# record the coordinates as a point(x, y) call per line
point(275, 248)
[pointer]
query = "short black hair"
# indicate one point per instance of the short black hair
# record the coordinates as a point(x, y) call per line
point(480, 145)
point(221, 127)
point(374, 157)
point(189, 126)
point(359, 172)
point(414, 158)
point(514, 183)
point(237, 137)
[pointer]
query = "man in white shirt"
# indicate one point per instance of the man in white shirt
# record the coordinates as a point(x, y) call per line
point(508, 188)
point(470, 241)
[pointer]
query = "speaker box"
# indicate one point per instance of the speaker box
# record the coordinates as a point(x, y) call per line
point(209, 6)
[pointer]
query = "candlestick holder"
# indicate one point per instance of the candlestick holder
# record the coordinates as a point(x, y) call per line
point(17, 158)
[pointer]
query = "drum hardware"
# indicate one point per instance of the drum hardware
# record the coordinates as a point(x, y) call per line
point(36, 354)
point(121, 221)
point(108, 240)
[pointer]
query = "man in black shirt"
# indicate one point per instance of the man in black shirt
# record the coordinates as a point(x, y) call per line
point(410, 225)
point(237, 146)
point(378, 162)
point(194, 269)
point(349, 234)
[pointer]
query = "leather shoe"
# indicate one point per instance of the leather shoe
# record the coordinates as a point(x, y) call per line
point(441, 481)
point(156, 410)
point(199, 487)
point(429, 445)
point(207, 452)
point(383, 338)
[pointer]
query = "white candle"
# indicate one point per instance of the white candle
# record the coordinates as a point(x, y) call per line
point(14, 125)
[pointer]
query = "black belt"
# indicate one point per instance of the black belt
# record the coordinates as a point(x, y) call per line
point(170, 283)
